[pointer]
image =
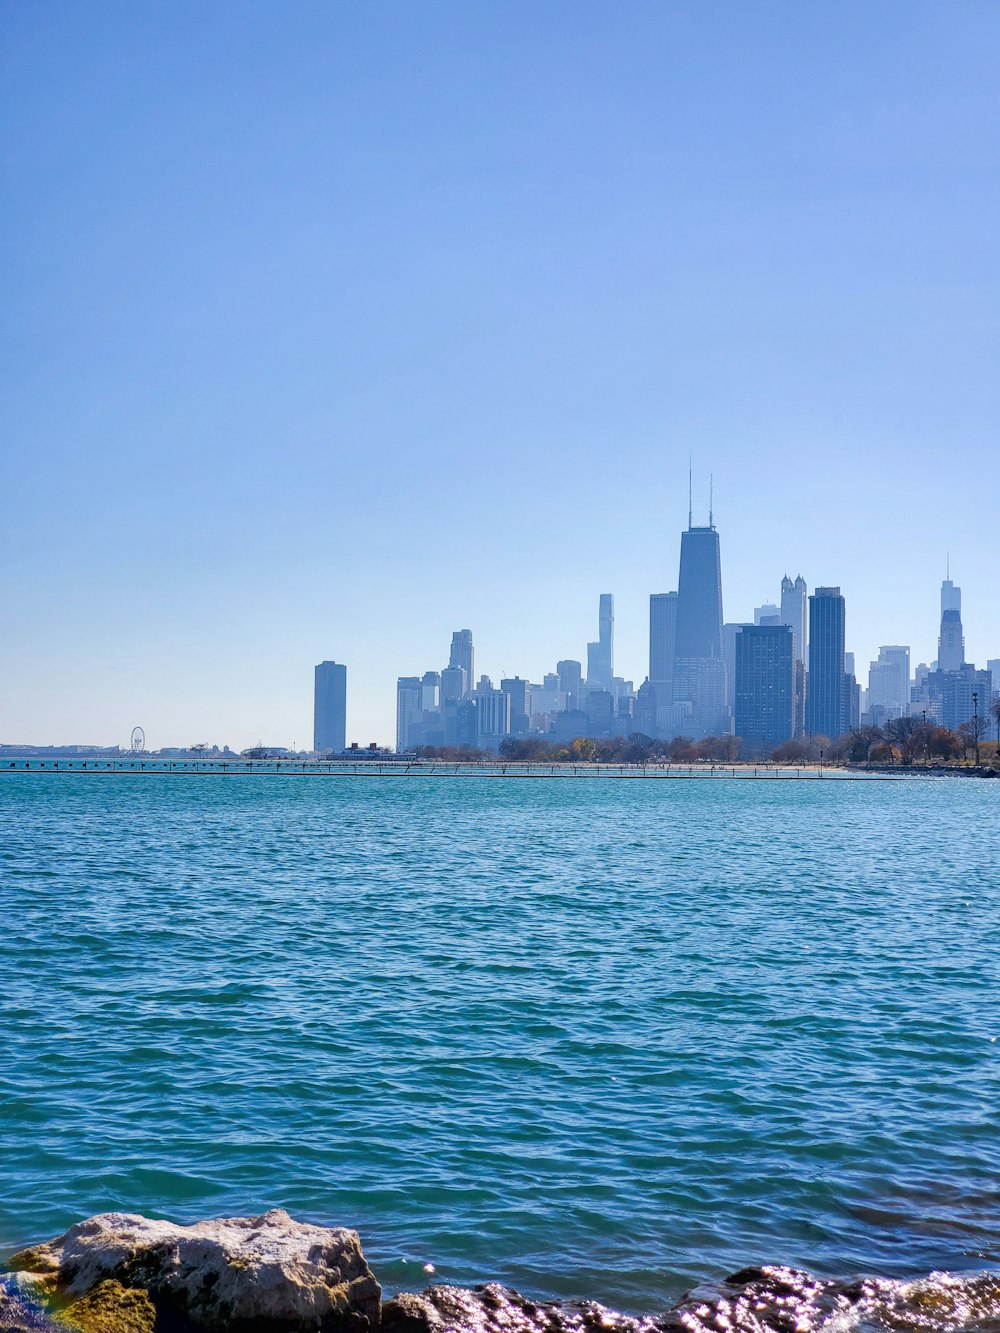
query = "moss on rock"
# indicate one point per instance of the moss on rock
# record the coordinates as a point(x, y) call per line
point(111, 1308)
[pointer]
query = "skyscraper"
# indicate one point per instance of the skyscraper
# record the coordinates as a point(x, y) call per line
point(409, 712)
point(765, 686)
point(463, 654)
point(570, 674)
point(330, 707)
point(889, 683)
point(662, 637)
point(520, 704)
point(951, 641)
point(793, 612)
point(699, 595)
point(827, 701)
point(699, 676)
point(600, 655)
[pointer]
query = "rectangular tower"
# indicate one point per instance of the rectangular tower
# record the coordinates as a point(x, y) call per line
point(409, 712)
point(330, 707)
point(765, 686)
point(662, 636)
point(827, 712)
point(600, 655)
point(793, 612)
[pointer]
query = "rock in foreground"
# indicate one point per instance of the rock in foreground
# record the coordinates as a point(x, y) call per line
point(267, 1274)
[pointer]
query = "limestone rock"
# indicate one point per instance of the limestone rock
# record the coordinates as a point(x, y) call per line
point(267, 1274)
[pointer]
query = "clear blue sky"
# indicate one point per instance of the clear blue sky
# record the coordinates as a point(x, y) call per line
point(329, 328)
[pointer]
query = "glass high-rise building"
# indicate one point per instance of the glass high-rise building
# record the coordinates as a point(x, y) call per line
point(699, 667)
point(662, 636)
point(600, 655)
point(330, 707)
point(699, 595)
point(765, 686)
point(827, 703)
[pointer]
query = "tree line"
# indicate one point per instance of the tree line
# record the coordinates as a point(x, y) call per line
point(902, 740)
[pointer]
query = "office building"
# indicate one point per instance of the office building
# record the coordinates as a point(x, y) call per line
point(768, 614)
point(463, 654)
point(793, 612)
point(570, 675)
point(492, 718)
point(409, 712)
point(699, 677)
point(951, 641)
point(330, 707)
point(600, 655)
point(827, 701)
point(765, 687)
point(600, 712)
point(699, 595)
point(520, 704)
point(729, 632)
point(662, 637)
point(852, 693)
point(889, 682)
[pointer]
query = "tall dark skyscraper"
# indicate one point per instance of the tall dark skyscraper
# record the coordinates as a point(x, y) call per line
point(765, 686)
point(463, 655)
point(699, 667)
point(826, 694)
point(699, 594)
point(600, 655)
point(330, 707)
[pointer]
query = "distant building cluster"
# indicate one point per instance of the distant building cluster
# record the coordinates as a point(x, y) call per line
point(785, 675)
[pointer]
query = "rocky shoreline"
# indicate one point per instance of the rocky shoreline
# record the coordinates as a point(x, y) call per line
point(122, 1273)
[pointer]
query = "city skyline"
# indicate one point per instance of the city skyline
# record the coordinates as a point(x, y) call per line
point(791, 596)
point(403, 333)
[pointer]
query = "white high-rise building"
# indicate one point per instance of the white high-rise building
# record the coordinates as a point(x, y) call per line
point(889, 681)
point(793, 612)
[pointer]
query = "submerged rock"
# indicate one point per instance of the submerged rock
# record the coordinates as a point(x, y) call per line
point(496, 1309)
point(267, 1274)
point(769, 1299)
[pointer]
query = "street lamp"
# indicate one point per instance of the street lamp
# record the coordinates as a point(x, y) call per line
point(975, 722)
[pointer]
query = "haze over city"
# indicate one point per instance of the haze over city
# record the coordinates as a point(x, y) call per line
point(332, 330)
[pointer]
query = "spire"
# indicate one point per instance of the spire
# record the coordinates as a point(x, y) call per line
point(690, 506)
point(711, 479)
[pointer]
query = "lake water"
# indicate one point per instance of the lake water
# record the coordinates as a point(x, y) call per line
point(586, 1038)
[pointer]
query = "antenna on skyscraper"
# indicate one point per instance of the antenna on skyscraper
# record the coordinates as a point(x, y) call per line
point(711, 479)
point(947, 565)
point(690, 506)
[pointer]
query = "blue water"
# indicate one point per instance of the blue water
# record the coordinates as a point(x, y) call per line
point(587, 1038)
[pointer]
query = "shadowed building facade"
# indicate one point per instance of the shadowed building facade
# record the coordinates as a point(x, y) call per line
point(765, 686)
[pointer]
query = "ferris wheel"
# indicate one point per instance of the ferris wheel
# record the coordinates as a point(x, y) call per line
point(137, 743)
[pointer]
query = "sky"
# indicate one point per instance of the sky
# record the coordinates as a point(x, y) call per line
point(328, 329)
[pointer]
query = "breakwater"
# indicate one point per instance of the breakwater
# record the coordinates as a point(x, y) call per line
point(401, 768)
point(122, 1273)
